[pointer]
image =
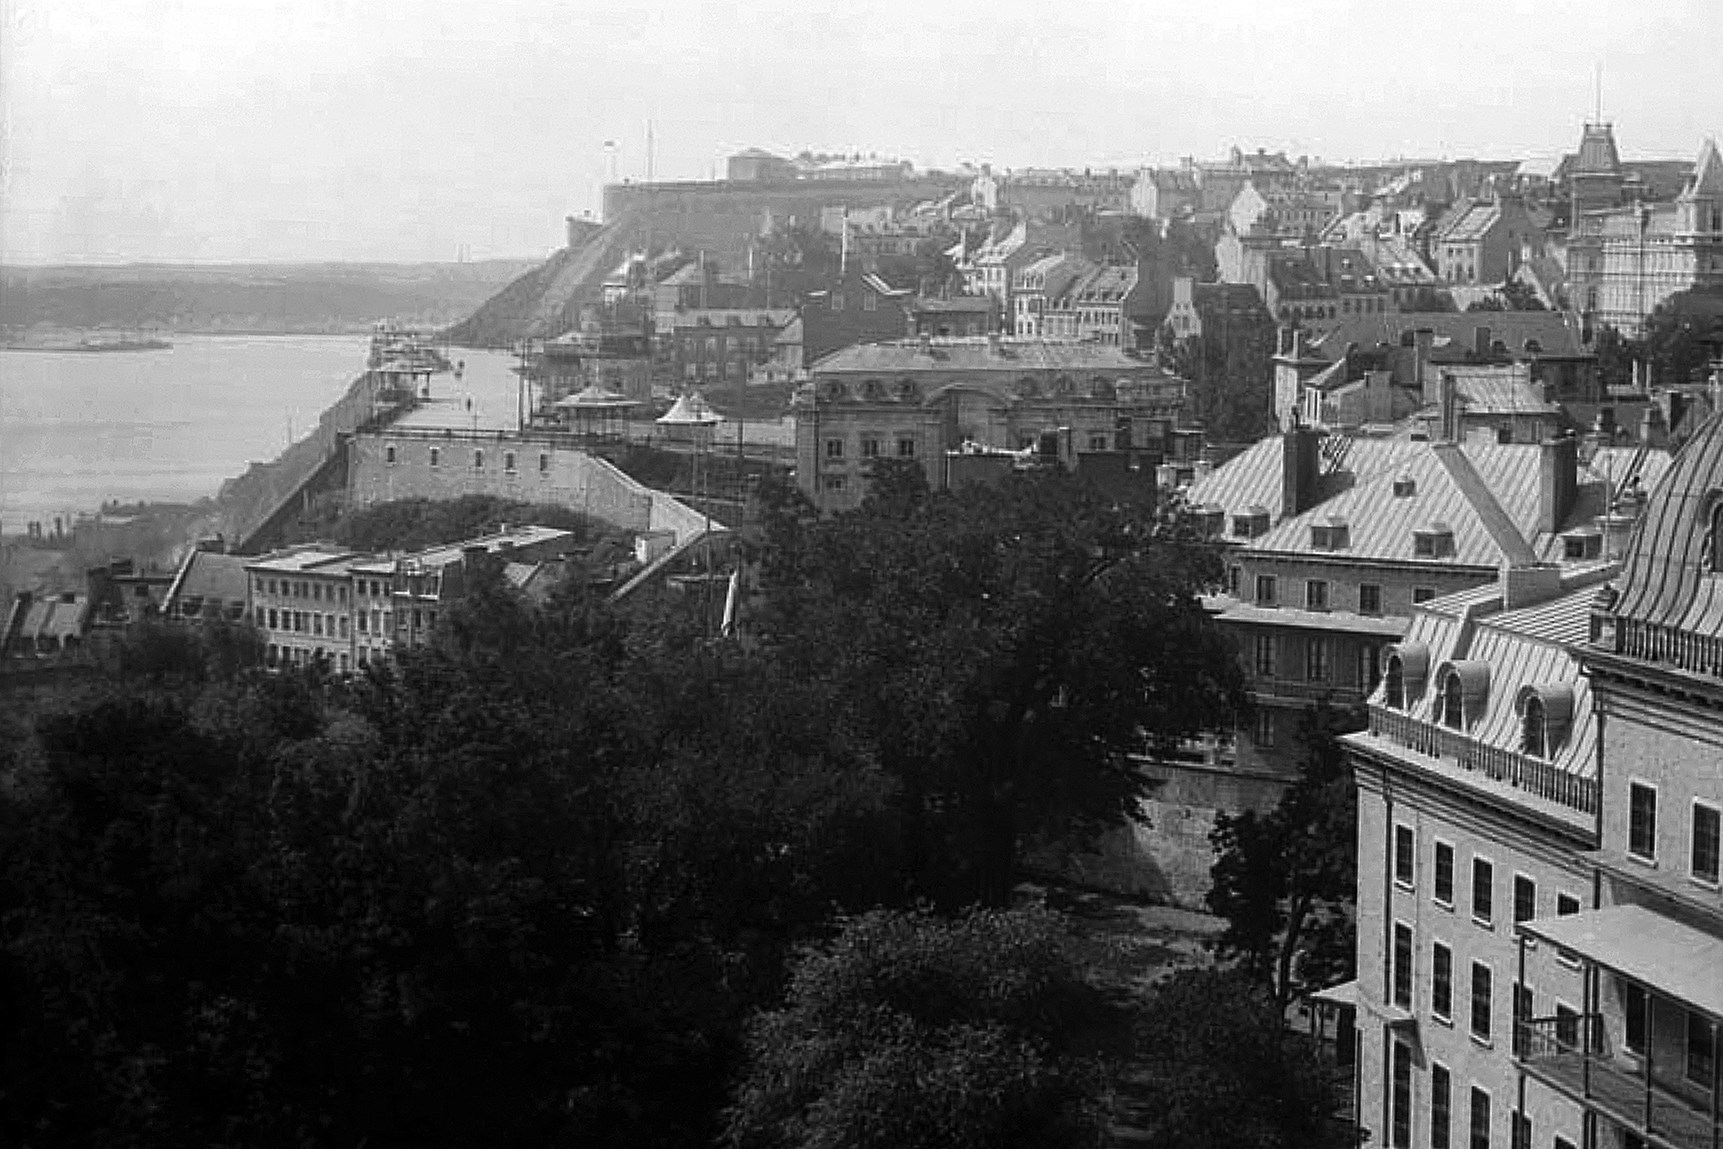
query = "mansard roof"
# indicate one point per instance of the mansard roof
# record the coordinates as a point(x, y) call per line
point(1597, 154)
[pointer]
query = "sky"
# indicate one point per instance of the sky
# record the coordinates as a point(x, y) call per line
point(408, 130)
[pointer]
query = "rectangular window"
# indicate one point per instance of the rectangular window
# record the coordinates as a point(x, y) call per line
point(1405, 856)
point(1633, 1003)
point(1707, 838)
point(906, 448)
point(1480, 1119)
point(1440, 1085)
point(1423, 594)
point(1403, 965)
point(1566, 1028)
point(509, 462)
point(1642, 821)
point(436, 456)
point(1522, 1131)
point(834, 448)
point(389, 455)
point(1443, 881)
point(1442, 982)
point(1481, 986)
point(543, 463)
point(272, 622)
point(1097, 442)
point(1234, 580)
point(1263, 735)
point(1402, 1100)
point(1316, 594)
point(1483, 891)
point(1369, 666)
point(1267, 651)
point(1563, 1143)
point(1316, 659)
point(1523, 1012)
point(1525, 899)
point(1265, 595)
point(1701, 1049)
point(870, 448)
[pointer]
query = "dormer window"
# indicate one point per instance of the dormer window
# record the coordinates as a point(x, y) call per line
point(1546, 717)
point(1407, 664)
point(1435, 541)
point(1251, 522)
point(1209, 520)
point(1405, 487)
point(1582, 545)
point(1462, 692)
point(1330, 534)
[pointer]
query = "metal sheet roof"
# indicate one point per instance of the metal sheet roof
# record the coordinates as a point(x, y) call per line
point(1666, 578)
point(1660, 953)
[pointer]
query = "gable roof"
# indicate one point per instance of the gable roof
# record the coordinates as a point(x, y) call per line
point(1707, 178)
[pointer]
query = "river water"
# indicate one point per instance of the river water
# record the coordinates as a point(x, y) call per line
point(79, 428)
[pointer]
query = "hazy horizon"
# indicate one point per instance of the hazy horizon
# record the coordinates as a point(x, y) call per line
point(330, 131)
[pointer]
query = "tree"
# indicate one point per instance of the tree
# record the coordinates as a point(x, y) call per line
point(1286, 882)
point(1672, 342)
point(1003, 652)
point(1521, 296)
point(909, 1030)
point(1216, 1068)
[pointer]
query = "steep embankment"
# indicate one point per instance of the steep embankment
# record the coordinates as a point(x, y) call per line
point(547, 300)
point(268, 298)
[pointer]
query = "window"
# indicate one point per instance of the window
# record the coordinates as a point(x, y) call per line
point(436, 456)
point(1442, 982)
point(906, 448)
point(834, 482)
point(1369, 598)
point(1440, 1085)
point(1263, 735)
point(509, 462)
point(1453, 703)
point(1701, 1049)
point(343, 626)
point(870, 448)
point(1481, 1001)
point(1480, 1119)
point(1316, 660)
point(834, 448)
point(1394, 691)
point(1401, 1133)
point(1704, 860)
point(1532, 741)
point(1642, 821)
point(1405, 856)
point(1265, 590)
point(389, 455)
point(837, 301)
point(1098, 442)
point(1483, 890)
point(1234, 579)
point(1443, 881)
point(1566, 905)
point(1523, 1012)
point(1566, 1028)
point(1522, 1131)
point(1316, 594)
point(1423, 594)
point(543, 463)
point(1525, 898)
point(1267, 651)
point(1633, 1006)
point(478, 460)
point(1563, 1143)
point(870, 302)
point(1402, 965)
point(1369, 666)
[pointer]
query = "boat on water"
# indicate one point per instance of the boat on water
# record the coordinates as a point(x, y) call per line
point(393, 343)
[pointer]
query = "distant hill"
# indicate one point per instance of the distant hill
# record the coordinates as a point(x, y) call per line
point(545, 301)
point(271, 298)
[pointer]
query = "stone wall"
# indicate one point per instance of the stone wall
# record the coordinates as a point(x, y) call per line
point(395, 464)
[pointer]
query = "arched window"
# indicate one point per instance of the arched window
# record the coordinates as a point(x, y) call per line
point(1716, 538)
point(1532, 729)
point(1394, 684)
point(1453, 703)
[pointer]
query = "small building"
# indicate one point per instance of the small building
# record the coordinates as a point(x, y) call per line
point(859, 308)
point(724, 346)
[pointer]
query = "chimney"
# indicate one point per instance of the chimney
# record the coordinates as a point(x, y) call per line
point(1301, 456)
point(1481, 341)
point(1448, 429)
point(1653, 431)
point(1529, 585)
point(1423, 340)
point(1558, 481)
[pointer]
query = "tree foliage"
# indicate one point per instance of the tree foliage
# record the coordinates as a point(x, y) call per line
point(909, 1030)
point(1286, 882)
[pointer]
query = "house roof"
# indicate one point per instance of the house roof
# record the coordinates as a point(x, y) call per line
point(1665, 579)
point(1597, 154)
point(1707, 178)
point(1555, 333)
point(303, 559)
point(1469, 222)
point(961, 303)
point(980, 354)
point(207, 577)
point(1676, 960)
point(52, 618)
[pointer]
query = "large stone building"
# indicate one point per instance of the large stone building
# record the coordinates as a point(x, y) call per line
point(923, 399)
point(1540, 893)
point(1625, 259)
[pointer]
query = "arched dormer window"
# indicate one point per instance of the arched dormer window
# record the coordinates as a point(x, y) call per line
point(1462, 692)
point(1532, 729)
point(1406, 667)
point(1546, 718)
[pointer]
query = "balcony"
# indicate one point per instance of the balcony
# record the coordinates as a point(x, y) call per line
point(1296, 690)
point(1520, 771)
point(1680, 649)
point(1571, 1055)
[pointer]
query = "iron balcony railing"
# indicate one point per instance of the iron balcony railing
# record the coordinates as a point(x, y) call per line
point(1684, 650)
point(1521, 771)
point(1571, 1053)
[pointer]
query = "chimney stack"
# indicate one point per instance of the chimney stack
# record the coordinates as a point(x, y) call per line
point(1423, 340)
point(1481, 342)
point(1558, 481)
point(1301, 456)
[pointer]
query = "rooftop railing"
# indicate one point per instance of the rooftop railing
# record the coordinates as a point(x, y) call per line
point(1684, 650)
point(1521, 771)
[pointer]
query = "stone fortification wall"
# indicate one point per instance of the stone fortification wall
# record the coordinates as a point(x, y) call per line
point(543, 470)
point(723, 216)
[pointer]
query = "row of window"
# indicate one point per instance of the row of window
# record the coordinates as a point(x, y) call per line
point(299, 656)
point(1705, 836)
point(306, 622)
point(1317, 592)
point(1318, 661)
point(392, 455)
point(1441, 1109)
point(313, 590)
point(1405, 863)
point(871, 448)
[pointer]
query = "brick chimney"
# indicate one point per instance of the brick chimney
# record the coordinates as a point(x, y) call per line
point(1481, 341)
point(1558, 481)
point(1301, 457)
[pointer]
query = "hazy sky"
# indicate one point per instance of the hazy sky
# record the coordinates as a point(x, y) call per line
point(414, 129)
